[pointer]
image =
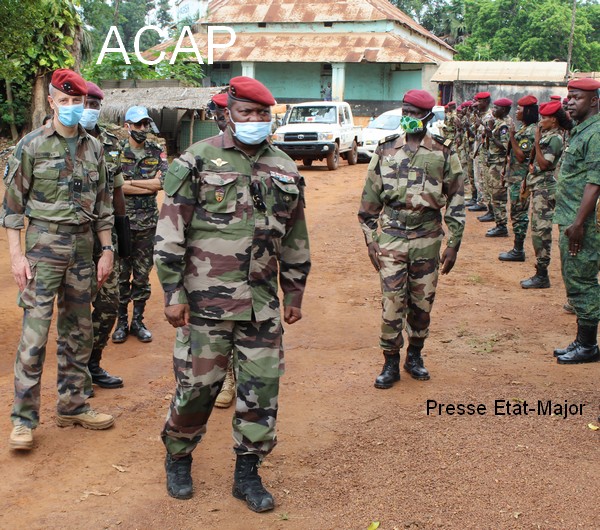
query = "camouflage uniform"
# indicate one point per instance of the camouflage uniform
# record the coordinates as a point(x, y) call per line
point(496, 162)
point(542, 187)
point(66, 201)
point(580, 166)
point(220, 248)
point(484, 168)
point(450, 125)
point(142, 210)
point(404, 193)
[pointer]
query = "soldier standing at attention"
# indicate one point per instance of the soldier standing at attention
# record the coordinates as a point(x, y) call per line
point(498, 136)
point(521, 142)
point(231, 225)
point(468, 138)
point(409, 181)
point(57, 179)
point(579, 236)
point(144, 165)
point(482, 116)
point(450, 118)
point(106, 301)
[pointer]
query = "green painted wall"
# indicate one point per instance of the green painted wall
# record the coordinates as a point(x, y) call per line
point(291, 80)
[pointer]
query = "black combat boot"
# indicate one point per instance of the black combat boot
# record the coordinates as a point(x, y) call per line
point(497, 231)
point(100, 376)
point(539, 280)
point(585, 348)
point(179, 476)
point(390, 372)
point(516, 254)
point(137, 322)
point(122, 329)
point(477, 208)
point(414, 363)
point(247, 484)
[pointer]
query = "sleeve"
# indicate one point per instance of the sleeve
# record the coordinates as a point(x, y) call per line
point(552, 150)
point(454, 217)
point(370, 203)
point(163, 167)
point(176, 215)
point(18, 181)
point(104, 207)
point(592, 159)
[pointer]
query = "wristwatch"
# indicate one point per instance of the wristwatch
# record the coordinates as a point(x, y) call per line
point(108, 247)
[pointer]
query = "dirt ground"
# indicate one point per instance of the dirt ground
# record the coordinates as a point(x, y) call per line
point(348, 454)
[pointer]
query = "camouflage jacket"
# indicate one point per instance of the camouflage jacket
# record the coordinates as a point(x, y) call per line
point(501, 133)
point(551, 144)
point(580, 167)
point(142, 209)
point(229, 227)
point(44, 182)
point(450, 125)
point(480, 136)
point(112, 157)
point(525, 138)
point(404, 192)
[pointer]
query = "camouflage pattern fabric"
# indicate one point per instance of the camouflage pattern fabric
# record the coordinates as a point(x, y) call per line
point(450, 125)
point(404, 194)
point(134, 271)
point(496, 161)
point(200, 360)
point(484, 168)
point(519, 210)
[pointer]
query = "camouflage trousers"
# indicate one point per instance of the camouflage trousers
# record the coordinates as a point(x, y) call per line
point(543, 203)
point(62, 268)
point(479, 169)
point(200, 358)
point(497, 193)
point(409, 276)
point(519, 209)
point(465, 161)
point(580, 274)
point(134, 272)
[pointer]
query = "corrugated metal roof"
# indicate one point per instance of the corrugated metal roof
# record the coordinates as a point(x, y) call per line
point(315, 47)
point(297, 11)
point(500, 71)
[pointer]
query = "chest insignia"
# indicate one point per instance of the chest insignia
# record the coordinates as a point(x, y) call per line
point(286, 179)
point(219, 193)
point(219, 162)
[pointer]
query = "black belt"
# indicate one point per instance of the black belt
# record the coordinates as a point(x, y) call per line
point(57, 228)
point(411, 217)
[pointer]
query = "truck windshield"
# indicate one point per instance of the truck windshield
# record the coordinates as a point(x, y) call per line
point(324, 114)
point(389, 122)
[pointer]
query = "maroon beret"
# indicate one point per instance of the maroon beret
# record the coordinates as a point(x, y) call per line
point(220, 100)
point(468, 103)
point(451, 103)
point(527, 100)
point(420, 99)
point(94, 90)
point(550, 107)
point(555, 98)
point(482, 95)
point(69, 82)
point(503, 102)
point(247, 89)
point(586, 83)
point(565, 100)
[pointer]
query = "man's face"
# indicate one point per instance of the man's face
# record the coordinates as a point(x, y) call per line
point(246, 111)
point(414, 112)
point(60, 99)
point(219, 117)
point(500, 112)
point(92, 103)
point(483, 104)
point(581, 103)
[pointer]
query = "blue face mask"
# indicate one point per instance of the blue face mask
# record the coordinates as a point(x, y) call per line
point(89, 118)
point(252, 132)
point(69, 115)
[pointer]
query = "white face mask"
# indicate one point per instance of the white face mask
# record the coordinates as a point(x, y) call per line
point(252, 132)
point(89, 118)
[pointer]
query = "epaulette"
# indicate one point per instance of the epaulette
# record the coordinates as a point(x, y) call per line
point(389, 138)
point(446, 142)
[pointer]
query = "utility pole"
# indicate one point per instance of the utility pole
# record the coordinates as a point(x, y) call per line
point(570, 52)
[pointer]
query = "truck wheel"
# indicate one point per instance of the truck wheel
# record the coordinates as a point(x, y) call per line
point(352, 155)
point(307, 162)
point(333, 158)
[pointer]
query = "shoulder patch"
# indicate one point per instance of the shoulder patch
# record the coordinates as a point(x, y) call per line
point(446, 142)
point(389, 138)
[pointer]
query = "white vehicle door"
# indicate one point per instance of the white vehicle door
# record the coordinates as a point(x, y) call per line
point(346, 125)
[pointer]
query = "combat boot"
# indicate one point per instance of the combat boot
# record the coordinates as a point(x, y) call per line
point(179, 476)
point(516, 254)
point(21, 438)
point(390, 372)
point(247, 484)
point(585, 348)
point(539, 280)
point(414, 363)
point(227, 394)
point(477, 208)
point(100, 376)
point(488, 217)
point(137, 322)
point(122, 329)
point(497, 231)
point(89, 419)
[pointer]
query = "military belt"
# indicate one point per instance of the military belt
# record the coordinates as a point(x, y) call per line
point(141, 202)
point(58, 228)
point(412, 217)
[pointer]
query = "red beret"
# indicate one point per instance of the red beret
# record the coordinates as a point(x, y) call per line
point(550, 107)
point(586, 83)
point(527, 100)
point(420, 99)
point(220, 100)
point(482, 95)
point(94, 90)
point(69, 82)
point(555, 98)
point(247, 89)
point(503, 102)
point(451, 103)
point(565, 100)
point(467, 104)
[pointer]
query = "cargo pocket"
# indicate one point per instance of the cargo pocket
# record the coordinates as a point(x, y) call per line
point(285, 198)
point(27, 297)
point(45, 185)
point(218, 192)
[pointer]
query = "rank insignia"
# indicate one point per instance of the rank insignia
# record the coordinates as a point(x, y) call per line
point(219, 162)
point(286, 179)
point(220, 194)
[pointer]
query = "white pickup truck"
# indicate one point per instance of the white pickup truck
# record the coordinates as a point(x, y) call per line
point(319, 130)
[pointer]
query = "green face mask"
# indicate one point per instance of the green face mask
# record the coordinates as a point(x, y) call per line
point(412, 125)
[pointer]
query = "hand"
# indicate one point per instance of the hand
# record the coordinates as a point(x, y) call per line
point(21, 271)
point(448, 259)
point(105, 267)
point(538, 133)
point(575, 235)
point(178, 315)
point(292, 314)
point(511, 129)
point(374, 253)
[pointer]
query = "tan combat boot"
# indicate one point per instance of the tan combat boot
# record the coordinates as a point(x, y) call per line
point(21, 438)
point(227, 394)
point(90, 419)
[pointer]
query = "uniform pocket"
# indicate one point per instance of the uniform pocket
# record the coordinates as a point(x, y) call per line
point(285, 195)
point(218, 192)
point(45, 185)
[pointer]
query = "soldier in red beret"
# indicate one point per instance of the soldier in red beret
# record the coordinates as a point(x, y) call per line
point(217, 106)
point(577, 195)
point(410, 180)
point(481, 117)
